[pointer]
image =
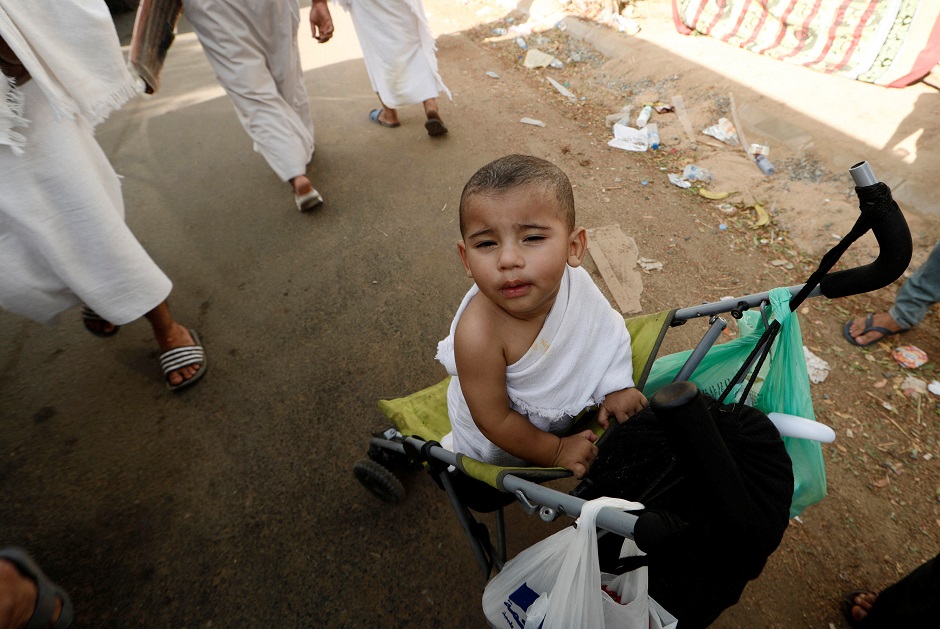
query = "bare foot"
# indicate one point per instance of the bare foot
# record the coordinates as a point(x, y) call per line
point(388, 116)
point(301, 185)
point(178, 336)
point(862, 605)
point(879, 320)
point(100, 327)
point(18, 597)
point(433, 125)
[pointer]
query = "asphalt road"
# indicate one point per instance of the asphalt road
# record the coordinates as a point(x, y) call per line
point(233, 503)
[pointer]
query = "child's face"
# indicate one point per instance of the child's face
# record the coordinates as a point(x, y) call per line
point(515, 246)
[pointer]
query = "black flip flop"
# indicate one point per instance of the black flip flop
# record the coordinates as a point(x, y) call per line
point(884, 332)
point(46, 591)
point(435, 126)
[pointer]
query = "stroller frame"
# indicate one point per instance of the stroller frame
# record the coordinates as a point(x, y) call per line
point(392, 450)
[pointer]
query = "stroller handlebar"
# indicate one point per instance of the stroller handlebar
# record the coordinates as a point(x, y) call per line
point(890, 230)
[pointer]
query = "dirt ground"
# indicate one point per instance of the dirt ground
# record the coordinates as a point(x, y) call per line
point(881, 517)
point(234, 504)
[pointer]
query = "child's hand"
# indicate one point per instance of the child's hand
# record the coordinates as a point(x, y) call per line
point(576, 453)
point(621, 404)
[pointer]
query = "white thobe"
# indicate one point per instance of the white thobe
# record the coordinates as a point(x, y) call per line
point(399, 50)
point(63, 239)
point(252, 47)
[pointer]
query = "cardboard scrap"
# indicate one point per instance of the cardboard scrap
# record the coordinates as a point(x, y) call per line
point(616, 256)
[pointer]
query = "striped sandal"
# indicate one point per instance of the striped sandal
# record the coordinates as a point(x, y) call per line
point(180, 357)
point(94, 323)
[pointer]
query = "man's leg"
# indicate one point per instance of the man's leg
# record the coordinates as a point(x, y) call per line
point(919, 292)
point(911, 602)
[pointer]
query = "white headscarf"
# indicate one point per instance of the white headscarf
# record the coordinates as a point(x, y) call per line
point(72, 51)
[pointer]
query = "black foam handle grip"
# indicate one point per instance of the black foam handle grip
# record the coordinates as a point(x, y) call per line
point(894, 247)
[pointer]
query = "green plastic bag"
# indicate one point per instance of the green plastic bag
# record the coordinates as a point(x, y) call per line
point(782, 386)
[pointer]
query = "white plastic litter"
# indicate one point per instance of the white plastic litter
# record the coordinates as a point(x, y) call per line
point(913, 386)
point(532, 121)
point(564, 91)
point(818, 368)
point(535, 58)
point(695, 173)
point(492, 74)
point(677, 180)
point(629, 139)
point(934, 387)
point(723, 131)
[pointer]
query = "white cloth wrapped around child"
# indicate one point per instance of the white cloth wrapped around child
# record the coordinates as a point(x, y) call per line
point(581, 354)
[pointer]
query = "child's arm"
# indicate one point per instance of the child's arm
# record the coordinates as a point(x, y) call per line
point(621, 404)
point(481, 368)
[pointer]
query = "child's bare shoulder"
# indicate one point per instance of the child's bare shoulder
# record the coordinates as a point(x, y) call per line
point(479, 331)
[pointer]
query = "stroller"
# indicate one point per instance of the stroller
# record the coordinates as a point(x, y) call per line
point(686, 445)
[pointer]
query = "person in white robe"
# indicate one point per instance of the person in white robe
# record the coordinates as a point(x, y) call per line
point(252, 47)
point(399, 52)
point(63, 239)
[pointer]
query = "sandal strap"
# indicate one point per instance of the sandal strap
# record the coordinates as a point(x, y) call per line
point(181, 357)
point(46, 591)
point(90, 315)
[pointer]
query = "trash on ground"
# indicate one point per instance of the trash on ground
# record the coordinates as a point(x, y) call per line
point(622, 116)
point(765, 166)
point(663, 108)
point(625, 24)
point(727, 208)
point(650, 265)
point(694, 173)
point(913, 386)
point(535, 58)
point(909, 356)
point(759, 149)
point(677, 180)
point(644, 116)
point(723, 131)
point(762, 216)
point(817, 368)
point(934, 387)
point(492, 74)
point(629, 139)
point(652, 133)
point(521, 43)
point(564, 91)
point(712, 195)
point(532, 121)
point(499, 31)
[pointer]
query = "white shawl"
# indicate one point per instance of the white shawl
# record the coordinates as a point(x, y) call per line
point(64, 44)
point(581, 354)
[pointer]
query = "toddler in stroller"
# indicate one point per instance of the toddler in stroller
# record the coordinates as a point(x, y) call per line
point(534, 341)
point(669, 456)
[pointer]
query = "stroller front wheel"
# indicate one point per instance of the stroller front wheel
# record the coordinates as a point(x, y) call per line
point(378, 480)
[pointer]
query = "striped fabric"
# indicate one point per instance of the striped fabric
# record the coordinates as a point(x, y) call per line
point(886, 42)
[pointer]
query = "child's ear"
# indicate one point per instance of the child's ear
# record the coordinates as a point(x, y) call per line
point(577, 246)
point(462, 251)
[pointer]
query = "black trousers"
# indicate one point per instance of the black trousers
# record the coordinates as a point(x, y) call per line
point(914, 601)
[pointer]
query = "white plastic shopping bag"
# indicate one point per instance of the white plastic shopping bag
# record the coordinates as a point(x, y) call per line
point(558, 582)
point(627, 602)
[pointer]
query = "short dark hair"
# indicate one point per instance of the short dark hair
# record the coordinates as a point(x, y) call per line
point(513, 171)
